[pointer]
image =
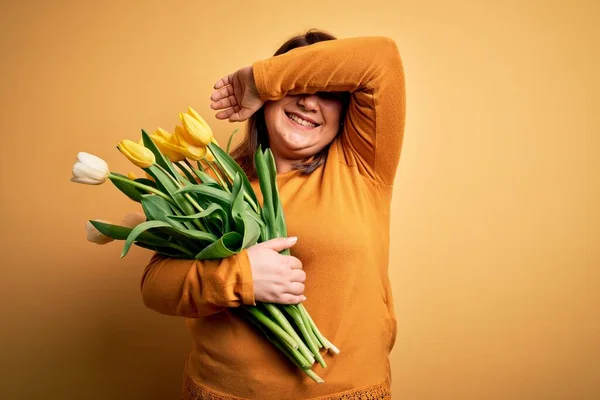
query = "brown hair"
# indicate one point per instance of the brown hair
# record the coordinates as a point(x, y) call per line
point(256, 127)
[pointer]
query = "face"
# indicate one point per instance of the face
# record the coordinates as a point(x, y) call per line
point(300, 126)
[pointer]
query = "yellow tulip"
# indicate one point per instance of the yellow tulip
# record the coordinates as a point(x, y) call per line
point(137, 154)
point(132, 176)
point(196, 130)
point(209, 156)
point(167, 145)
point(194, 153)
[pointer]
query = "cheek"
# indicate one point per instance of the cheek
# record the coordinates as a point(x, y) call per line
point(333, 116)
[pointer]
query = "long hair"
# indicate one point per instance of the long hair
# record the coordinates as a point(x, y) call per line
point(256, 127)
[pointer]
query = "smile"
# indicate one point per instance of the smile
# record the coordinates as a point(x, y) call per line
point(302, 122)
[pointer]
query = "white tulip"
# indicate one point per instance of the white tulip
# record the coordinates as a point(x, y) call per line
point(94, 235)
point(90, 169)
point(133, 219)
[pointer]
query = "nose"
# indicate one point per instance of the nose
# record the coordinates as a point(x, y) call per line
point(309, 102)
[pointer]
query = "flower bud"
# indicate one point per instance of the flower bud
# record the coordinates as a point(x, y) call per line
point(94, 235)
point(167, 145)
point(137, 154)
point(89, 169)
point(192, 152)
point(133, 219)
point(196, 130)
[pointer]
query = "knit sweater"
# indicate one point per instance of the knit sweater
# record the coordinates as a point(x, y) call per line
point(340, 214)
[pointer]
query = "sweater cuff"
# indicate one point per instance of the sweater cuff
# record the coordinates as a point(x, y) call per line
point(258, 70)
point(247, 284)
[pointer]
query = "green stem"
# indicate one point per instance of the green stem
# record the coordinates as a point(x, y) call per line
point(181, 248)
point(326, 343)
point(142, 186)
point(314, 376)
point(285, 324)
point(187, 196)
point(230, 139)
point(296, 315)
point(308, 325)
point(290, 352)
point(187, 173)
point(273, 327)
point(217, 175)
point(191, 167)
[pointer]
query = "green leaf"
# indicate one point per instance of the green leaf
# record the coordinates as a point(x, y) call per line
point(167, 228)
point(157, 208)
point(264, 180)
point(118, 232)
point(171, 188)
point(245, 226)
point(147, 182)
point(206, 178)
point(128, 189)
point(230, 167)
point(138, 230)
point(188, 174)
point(227, 245)
point(160, 158)
point(166, 251)
point(280, 227)
point(209, 194)
point(213, 212)
point(189, 233)
point(230, 139)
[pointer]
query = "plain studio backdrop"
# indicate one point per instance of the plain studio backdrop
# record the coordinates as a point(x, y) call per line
point(495, 253)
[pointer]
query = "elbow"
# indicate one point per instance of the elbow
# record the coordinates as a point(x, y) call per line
point(388, 53)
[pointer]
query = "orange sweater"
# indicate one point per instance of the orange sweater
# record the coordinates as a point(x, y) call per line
point(340, 214)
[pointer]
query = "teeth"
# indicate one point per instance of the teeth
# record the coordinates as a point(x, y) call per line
point(301, 121)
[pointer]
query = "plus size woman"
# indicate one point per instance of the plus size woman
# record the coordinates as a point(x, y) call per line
point(332, 112)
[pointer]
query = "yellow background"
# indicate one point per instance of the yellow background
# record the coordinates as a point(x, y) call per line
point(495, 233)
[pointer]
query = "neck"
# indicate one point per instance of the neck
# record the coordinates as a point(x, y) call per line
point(283, 165)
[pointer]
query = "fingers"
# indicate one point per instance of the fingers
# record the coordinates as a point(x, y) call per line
point(229, 113)
point(296, 288)
point(223, 93)
point(223, 103)
point(293, 262)
point(298, 275)
point(279, 244)
point(224, 81)
point(288, 298)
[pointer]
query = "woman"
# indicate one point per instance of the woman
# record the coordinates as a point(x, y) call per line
point(336, 157)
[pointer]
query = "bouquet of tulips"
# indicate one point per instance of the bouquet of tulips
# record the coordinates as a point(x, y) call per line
point(205, 211)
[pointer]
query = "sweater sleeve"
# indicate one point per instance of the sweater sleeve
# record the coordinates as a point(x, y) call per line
point(191, 288)
point(368, 67)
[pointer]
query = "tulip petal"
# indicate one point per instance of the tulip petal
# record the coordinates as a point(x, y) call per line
point(86, 173)
point(196, 133)
point(89, 169)
point(137, 154)
point(133, 219)
point(93, 161)
point(94, 235)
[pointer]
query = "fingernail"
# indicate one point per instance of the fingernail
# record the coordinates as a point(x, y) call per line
point(292, 239)
point(303, 298)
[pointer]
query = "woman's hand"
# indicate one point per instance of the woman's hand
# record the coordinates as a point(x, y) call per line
point(277, 278)
point(236, 95)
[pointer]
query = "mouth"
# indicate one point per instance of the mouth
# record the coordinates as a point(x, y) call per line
point(301, 122)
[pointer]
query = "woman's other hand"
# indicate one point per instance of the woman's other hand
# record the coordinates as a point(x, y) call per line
point(277, 278)
point(236, 96)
